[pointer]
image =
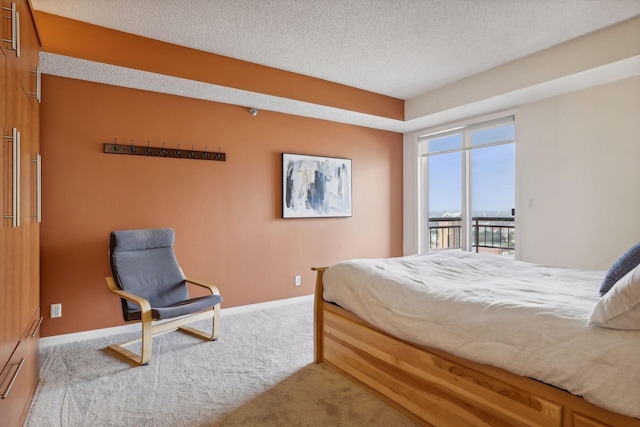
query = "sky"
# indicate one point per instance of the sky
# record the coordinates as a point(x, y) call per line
point(492, 173)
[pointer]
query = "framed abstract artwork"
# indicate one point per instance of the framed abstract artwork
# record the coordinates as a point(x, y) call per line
point(315, 187)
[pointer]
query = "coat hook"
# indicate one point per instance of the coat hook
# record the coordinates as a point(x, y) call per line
point(134, 149)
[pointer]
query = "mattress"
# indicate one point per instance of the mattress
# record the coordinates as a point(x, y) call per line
point(529, 319)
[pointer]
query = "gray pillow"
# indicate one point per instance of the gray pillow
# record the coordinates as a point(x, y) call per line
point(627, 262)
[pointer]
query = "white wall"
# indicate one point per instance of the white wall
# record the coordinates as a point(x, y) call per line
point(577, 109)
point(578, 162)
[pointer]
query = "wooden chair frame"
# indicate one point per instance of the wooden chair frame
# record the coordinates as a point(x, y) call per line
point(149, 330)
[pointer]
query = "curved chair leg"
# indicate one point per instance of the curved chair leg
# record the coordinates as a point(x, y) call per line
point(149, 331)
point(147, 337)
point(213, 335)
point(145, 354)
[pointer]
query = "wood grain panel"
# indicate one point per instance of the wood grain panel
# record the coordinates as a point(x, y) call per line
point(580, 420)
point(470, 395)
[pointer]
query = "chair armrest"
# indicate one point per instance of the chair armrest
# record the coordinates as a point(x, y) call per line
point(141, 302)
point(214, 289)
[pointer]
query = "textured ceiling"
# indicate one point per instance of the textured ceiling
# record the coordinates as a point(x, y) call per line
point(400, 48)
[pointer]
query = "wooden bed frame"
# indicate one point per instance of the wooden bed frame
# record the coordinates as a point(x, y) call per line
point(436, 388)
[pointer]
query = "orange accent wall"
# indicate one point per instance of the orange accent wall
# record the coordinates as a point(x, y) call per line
point(227, 215)
point(81, 40)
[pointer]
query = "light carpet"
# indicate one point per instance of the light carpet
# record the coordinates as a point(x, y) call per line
point(260, 372)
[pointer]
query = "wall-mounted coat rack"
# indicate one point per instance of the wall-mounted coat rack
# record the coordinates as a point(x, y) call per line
point(141, 150)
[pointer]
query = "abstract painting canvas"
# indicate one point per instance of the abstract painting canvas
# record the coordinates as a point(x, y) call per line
point(315, 186)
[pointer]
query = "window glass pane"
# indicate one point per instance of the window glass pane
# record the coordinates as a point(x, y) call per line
point(492, 198)
point(445, 143)
point(445, 184)
point(495, 134)
point(445, 201)
point(492, 180)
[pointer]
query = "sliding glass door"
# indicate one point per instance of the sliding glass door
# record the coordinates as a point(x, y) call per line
point(468, 188)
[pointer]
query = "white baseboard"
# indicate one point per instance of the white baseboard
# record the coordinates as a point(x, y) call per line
point(105, 332)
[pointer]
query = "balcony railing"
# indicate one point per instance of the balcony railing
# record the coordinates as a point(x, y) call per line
point(493, 233)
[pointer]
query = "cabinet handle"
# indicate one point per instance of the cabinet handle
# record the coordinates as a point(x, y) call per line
point(15, 29)
point(5, 394)
point(38, 75)
point(15, 211)
point(17, 36)
point(17, 184)
point(38, 214)
point(35, 332)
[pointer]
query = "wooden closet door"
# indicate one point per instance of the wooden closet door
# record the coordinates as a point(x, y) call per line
point(29, 257)
point(19, 240)
point(30, 57)
point(10, 330)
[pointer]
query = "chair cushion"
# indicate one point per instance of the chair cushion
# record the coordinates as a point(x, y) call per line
point(134, 240)
point(186, 307)
point(143, 263)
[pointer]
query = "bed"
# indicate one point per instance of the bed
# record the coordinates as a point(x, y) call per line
point(455, 338)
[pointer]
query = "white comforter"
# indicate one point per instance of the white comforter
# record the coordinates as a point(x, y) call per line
point(526, 318)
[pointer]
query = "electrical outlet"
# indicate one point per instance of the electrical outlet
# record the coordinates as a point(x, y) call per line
point(56, 310)
point(298, 281)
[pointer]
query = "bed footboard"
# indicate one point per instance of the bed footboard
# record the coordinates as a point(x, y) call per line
point(318, 318)
point(437, 388)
